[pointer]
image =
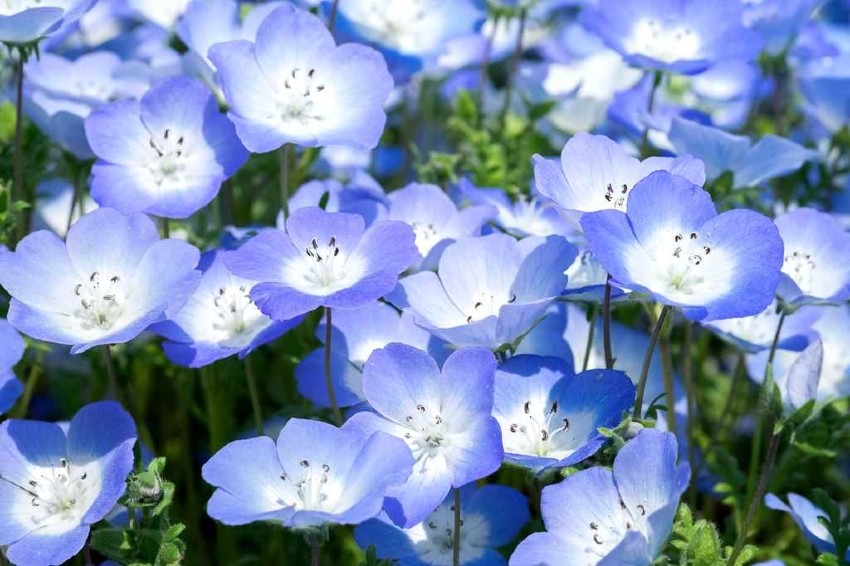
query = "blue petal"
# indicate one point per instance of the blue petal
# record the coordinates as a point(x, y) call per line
point(505, 509)
point(390, 541)
point(39, 549)
point(397, 378)
point(263, 257)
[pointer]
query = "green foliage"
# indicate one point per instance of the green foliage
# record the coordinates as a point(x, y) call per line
point(150, 538)
point(697, 543)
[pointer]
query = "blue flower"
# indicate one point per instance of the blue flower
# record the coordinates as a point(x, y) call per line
point(293, 85)
point(805, 514)
point(109, 280)
point(596, 173)
point(11, 351)
point(679, 36)
point(316, 473)
point(411, 35)
point(355, 334)
point(816, 264)
point(602, 516)
point(54, 198)
point(830, 327)
point(550, 416)
point(751, 165)
point(25, 22)
point(672, 244)
point(361, 195)
point(55, 484)
point(435, 219)
point(218, 320)
point(58, 102)
point(755, 333)
point(165, 155)
point(323, 259)
point(444, 416)
point(488, 291)
point(491, 517)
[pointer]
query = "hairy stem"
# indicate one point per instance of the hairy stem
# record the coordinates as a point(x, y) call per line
point(647, 361)
point(284, 154)
point(337, 415)
point(606, 325)
point(255, 396)
point(456, 532)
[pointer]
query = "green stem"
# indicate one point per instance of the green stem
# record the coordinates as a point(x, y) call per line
point(647, 361)
point(255, 396)
point(765, 399)
point(667, 374)
point(691, 394)
point(457, 527)
point(284, 153)
point(591, 329)
point(606, 325)
point(755, 502)
point(329, 384)
point(29, 389)
point(77, 196)
point(656, 82)
point(110, 372)
point(18, 150)
point(514, 65)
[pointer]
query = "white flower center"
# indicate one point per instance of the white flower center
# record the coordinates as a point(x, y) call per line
point(433, 538)
point(59, 496)
point(100, 301)
point(325, 263)
point(312, 487)
point(540, 429)
point(298, 99)
point(237, 318)
point(169, 156)
point(487, 304)
point(800, 266)
point(683, 264)
point(603, 536)
point(11, 7)
point(426, 236)
point(662, 42)
point(617, 197)
point(427, 433)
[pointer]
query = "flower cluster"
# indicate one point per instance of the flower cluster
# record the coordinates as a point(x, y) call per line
point(494, 275)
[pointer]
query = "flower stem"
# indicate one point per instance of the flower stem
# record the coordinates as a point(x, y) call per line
point(647, 361)
point(667, 373)
point(23, 406)
point(606, 325)
point(337, 415)
point(755, 502)
point(18, 151)
point(456, 532)
point(591, 328)
point(511, 78)
point(656, 82)
point(691, 393)
point(284, 152)
point(765, 398)
point(110, 372)
point(255, 396)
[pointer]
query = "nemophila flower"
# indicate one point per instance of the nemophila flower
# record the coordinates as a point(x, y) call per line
point(60, 93)
point(435, 219)
point(355, 334)
point(167, 154)
point(55, 483)
point(816, 263)
point(830, 327)
point(11, 351)
point(679, 36)
point(491, 516)
point(361, 195)
point(778, 21)
point(488, 291)
point(323, 259)
point(25, 21)
point(314, 474)
point(442, 415)
point(751, 165)
point(411, 34)
point(672, 244)
point(622, 516)
point(756, 333)
point(109, 280)
point(218, 320)
point(207, 22)
point(294, 85)
point(163, 13)
point(527, 216)
point(805, 514)
point(550, 416)
point(825, 88)
point(596, 173)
